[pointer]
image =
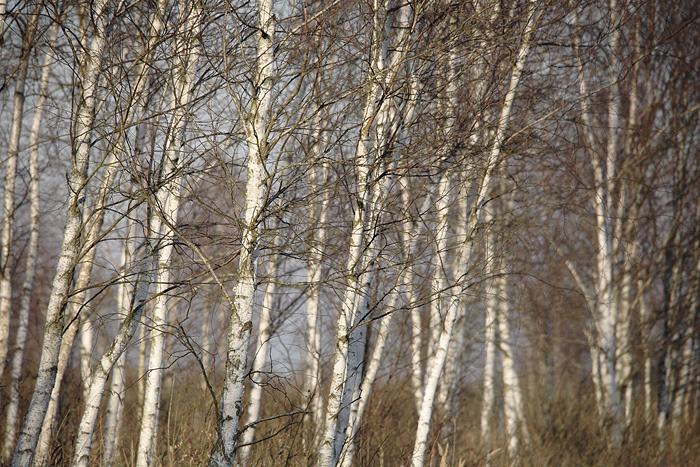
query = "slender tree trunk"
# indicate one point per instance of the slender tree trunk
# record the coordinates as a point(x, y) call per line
point(433, 375)
point(425, 416)
point(223, 452)
point(11, 419)
point(373, 365)
point(8, 212)
point(416, 325)
point(347, 320)
point(490, 327)
point(163, 222)
point(512, 393)
point(258, 371)
point(439, 280)
point(100, 375)
point(77, 309)
point(116, 397)
point(85, 349)
point(115, 406)
point(606, 312)
point(142, 362)
point(312, 383)
point(70, 248)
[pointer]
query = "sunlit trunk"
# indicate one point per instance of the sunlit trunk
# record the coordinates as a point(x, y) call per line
point(70, 248)
point(241, 325)
point(11, 419)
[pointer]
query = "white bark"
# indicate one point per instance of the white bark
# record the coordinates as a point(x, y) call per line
point(167, 202)
point(11, 419)
point(512, 393)
point(258, 371)
point(423, 430)
point(70, 248)
point(312, 386)
point(241, 314)
point(490, 326)
point(115, 406)
point(85, 348)
point(373, 365)
point(432, 378)
point(407, 287)
point(77, 309)
point(142, 362)
point(439, 281)
point(100, 375)
point(116, 397)
point(346, 364)
point(8, 210)
point(606, 312)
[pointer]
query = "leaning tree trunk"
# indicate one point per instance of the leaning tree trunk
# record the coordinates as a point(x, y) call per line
point(100, 375)
point(116, 397)
point(312, 376)
point(31, 257)
point(70, 248)
point(512, 393)
point(77, 309)
point(378, 77)
point(424, 418)
point(8, 212)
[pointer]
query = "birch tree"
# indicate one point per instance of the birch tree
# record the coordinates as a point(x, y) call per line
point(166, 204)
point(77, 180)
point(31, 255)
point(256, 131)
point(9, 182)
point(342, 368)
point(464, 254)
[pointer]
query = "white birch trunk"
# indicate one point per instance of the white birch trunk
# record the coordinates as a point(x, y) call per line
point(373, 365)
point(116, 397)
point(355, 367)
point(328, 454)
point(70, 248)
point(416, 325)
point(11, 419)
point(8, 212)
point(490, 326)
point(454, 364)
point(512, 393)
point(608, 313)
point(407, 287)
point(100, 375)
point(334, 426)
point(231, 402)
point(605, 312)
point(115, 406)
point(142, 362)
point(647, 354)
point(439, 281)
point(85, 348)
point(258, 371)
point(425, 416)
point(312, 383)
point(433, 375)
point(77, 309)
point(167, 201)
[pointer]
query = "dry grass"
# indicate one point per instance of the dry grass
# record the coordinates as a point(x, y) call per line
point(563, 431)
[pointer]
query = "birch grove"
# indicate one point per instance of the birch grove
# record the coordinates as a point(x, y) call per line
point(372, 232)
